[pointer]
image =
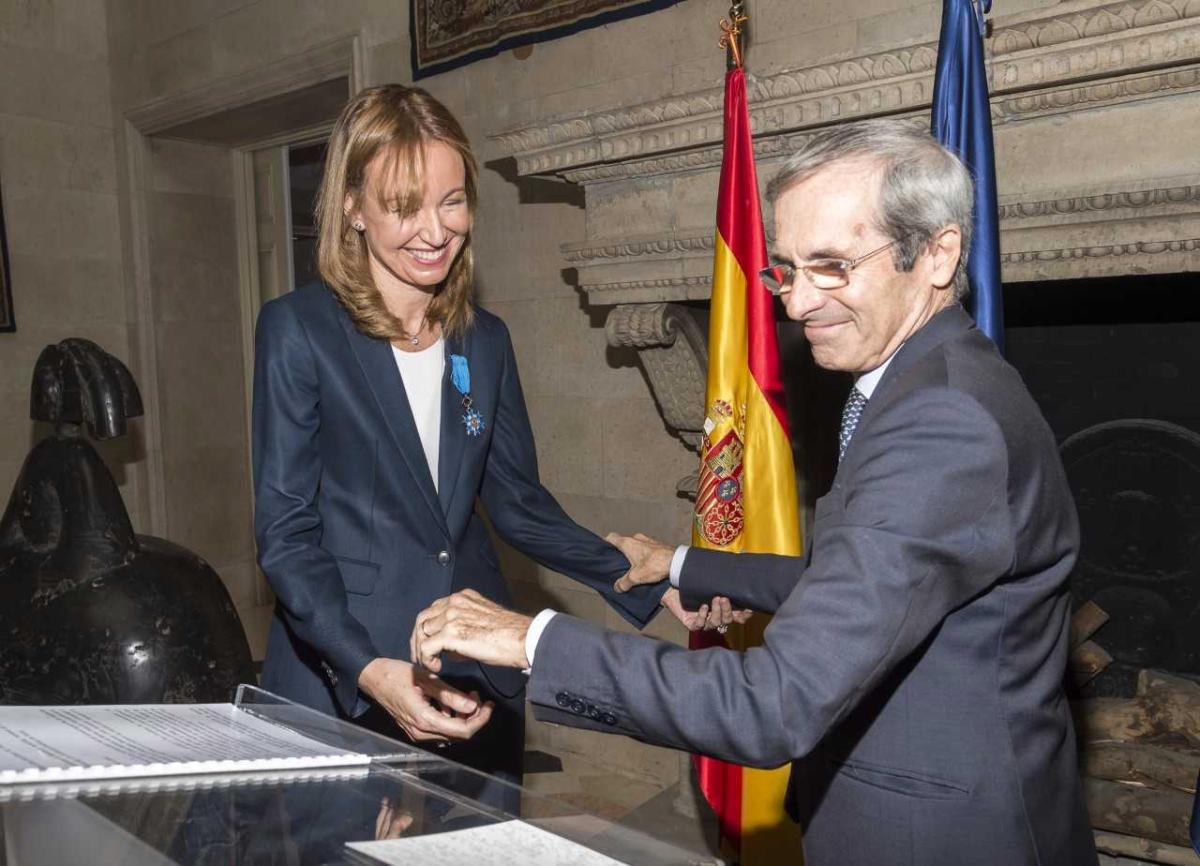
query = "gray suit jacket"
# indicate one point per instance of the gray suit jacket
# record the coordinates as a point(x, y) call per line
point(912, 672)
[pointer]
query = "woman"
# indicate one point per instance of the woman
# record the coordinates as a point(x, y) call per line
point(385, 403)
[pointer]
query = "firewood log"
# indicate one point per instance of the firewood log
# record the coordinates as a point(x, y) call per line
point(1144, 849)
point(1162, 816)
point(1153, 765)
point(1086, 661)
point(1174, 700)
point(1085, 621)
point(1166, 706)
point(1120, 719)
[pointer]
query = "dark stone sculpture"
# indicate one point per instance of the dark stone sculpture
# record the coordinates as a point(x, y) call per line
point(89, 611)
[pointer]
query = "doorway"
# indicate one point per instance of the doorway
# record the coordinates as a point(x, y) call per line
point(222, 185)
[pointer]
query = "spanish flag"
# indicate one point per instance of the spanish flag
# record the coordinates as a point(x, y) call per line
point(746, 498)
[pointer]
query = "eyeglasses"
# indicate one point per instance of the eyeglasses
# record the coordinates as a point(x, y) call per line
point(824, 274)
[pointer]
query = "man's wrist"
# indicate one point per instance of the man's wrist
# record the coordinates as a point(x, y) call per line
point(676, 567)
point(536, 626)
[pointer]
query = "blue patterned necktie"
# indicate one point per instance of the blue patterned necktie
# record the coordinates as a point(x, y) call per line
point(850, 415)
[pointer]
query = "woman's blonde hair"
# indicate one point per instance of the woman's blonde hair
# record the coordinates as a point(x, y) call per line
point(401, 122)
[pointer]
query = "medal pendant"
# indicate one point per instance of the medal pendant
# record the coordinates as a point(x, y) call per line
point(473, 421)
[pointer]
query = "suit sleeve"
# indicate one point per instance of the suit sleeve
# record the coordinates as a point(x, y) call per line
point(756, 581)
point(925, 529)
point(287, 472)
point(529, 518)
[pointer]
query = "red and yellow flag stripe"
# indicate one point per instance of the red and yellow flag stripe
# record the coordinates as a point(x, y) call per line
point(747, 494)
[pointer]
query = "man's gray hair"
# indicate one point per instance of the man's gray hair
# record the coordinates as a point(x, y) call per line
point(924, 187)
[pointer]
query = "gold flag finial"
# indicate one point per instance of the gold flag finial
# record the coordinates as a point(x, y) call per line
point(731, 41)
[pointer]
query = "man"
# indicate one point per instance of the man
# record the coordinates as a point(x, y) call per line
point(912, 671)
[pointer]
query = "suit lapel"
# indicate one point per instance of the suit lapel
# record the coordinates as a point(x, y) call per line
point(453, 434)
point(379, 368)
point(945, 325)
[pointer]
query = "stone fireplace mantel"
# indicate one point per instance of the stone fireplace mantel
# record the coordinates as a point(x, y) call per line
point(1096, 112)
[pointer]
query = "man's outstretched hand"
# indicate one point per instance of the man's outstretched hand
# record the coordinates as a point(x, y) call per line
point(469, 625)
point(649, 563)
point(649, 560)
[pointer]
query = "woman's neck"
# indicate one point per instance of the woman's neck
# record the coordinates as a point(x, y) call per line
point(409, 304)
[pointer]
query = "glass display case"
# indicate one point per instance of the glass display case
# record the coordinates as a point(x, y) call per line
point(386, 811)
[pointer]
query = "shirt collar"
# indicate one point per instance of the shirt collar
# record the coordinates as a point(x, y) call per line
point(868, 382)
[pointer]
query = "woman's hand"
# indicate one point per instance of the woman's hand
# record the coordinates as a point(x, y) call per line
point(392, 821)
point(424, 707)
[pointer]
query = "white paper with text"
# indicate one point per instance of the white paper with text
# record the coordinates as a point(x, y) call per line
point(67, 743)
point(506, 843)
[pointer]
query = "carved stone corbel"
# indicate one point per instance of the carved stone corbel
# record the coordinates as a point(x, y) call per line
point(673, 350)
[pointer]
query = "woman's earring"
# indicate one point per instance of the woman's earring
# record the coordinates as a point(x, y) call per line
point(358, 227)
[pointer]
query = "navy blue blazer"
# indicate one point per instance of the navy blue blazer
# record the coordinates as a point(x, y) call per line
point(353, 536)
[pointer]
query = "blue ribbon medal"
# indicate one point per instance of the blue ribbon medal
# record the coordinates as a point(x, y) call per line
point(460, 375)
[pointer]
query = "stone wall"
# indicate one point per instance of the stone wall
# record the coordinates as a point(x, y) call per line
point(58, 178)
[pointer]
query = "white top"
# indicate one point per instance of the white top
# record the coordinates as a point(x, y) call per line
point(422, 374)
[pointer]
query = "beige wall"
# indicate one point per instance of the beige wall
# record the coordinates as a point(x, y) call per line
point(58, 177)
point(196, 308)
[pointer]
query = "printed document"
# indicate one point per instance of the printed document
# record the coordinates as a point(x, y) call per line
point(67, 743)
point(506, 843)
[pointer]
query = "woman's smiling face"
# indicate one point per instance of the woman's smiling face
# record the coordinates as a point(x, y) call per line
point(417, 249)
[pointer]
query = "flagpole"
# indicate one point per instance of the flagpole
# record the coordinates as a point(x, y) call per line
point(732, 39)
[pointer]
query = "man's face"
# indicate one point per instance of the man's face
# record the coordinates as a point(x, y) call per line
point(830, 215)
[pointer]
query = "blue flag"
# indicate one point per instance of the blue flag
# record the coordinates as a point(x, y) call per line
point(962, 121)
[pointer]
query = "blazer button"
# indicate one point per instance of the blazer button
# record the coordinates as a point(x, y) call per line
point(609, 719)
point(578, 706)
point(443, 557)
point(563, 699)
point(593, 713)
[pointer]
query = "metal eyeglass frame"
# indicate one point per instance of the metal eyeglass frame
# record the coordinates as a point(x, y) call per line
point(778, 279)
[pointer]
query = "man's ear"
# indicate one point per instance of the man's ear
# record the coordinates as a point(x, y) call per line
point(942, 254)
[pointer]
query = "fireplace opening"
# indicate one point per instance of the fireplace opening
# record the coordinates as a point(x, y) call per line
point(1113, 363)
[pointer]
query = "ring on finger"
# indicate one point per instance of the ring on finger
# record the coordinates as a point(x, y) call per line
point(721, 629)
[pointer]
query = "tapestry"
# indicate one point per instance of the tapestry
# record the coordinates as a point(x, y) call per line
point(450, 33)
point(7, 320)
